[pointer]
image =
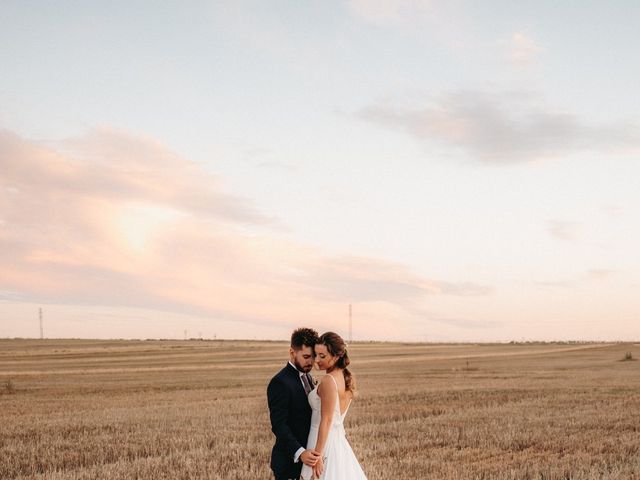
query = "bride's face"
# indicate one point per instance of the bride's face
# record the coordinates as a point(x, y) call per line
point(324, 359)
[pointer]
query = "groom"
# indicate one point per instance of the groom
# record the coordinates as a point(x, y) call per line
point(289, 409)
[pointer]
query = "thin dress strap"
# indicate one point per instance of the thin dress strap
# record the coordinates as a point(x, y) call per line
point(338, 394)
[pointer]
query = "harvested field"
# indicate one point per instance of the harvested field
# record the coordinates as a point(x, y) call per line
point(83, 409)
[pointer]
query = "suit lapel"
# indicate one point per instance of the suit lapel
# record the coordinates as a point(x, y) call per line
point(295, 376)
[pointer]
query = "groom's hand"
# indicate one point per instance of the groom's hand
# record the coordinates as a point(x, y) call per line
point(309, 457)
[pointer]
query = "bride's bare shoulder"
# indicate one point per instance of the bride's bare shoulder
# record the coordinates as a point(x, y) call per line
point(330, 384)
point(325, 380)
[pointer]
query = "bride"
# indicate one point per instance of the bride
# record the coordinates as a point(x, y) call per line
point(329, 402)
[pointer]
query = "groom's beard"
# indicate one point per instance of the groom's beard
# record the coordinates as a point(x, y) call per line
point(301, 368)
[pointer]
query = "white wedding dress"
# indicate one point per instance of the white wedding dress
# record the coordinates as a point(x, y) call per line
point(340, 462)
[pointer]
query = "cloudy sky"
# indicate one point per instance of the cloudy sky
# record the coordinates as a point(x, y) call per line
point(457, 171)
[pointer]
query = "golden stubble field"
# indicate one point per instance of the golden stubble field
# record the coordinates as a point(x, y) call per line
point(80, 409)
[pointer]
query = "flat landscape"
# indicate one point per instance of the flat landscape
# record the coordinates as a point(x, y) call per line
point(90, 409)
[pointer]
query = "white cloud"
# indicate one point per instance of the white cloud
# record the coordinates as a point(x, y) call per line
point(501, 127)
point(523, 51)
point(600, 274)
point(389, 12)
point(563, 230)
point(592, 275)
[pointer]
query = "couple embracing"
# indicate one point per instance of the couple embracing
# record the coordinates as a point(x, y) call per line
point(307, 419)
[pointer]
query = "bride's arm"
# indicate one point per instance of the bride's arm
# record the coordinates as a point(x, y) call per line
point(327, 391)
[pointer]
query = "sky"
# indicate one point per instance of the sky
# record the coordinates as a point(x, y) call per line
point(455, 171)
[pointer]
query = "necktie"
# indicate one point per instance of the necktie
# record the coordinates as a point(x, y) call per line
point(306, 383)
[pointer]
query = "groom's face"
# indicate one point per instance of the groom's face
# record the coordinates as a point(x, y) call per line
point(303, 358)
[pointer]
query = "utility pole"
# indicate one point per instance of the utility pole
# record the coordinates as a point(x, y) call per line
point(41, 327)
point(350, 325)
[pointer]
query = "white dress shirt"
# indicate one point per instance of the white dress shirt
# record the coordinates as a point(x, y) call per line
point(296, 457)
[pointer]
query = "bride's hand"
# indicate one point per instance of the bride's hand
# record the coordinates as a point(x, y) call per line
point(318, 468)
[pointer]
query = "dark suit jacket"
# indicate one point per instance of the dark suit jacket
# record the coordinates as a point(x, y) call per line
point(290, 421)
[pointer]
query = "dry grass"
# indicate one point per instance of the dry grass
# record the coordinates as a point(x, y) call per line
point(194, 410)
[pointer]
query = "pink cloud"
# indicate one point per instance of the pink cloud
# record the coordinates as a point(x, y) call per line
point(116, 220)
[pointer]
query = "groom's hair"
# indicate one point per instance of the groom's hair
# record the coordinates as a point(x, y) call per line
point(303, 336)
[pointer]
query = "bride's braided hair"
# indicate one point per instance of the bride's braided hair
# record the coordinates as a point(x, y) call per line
point(336, 347)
